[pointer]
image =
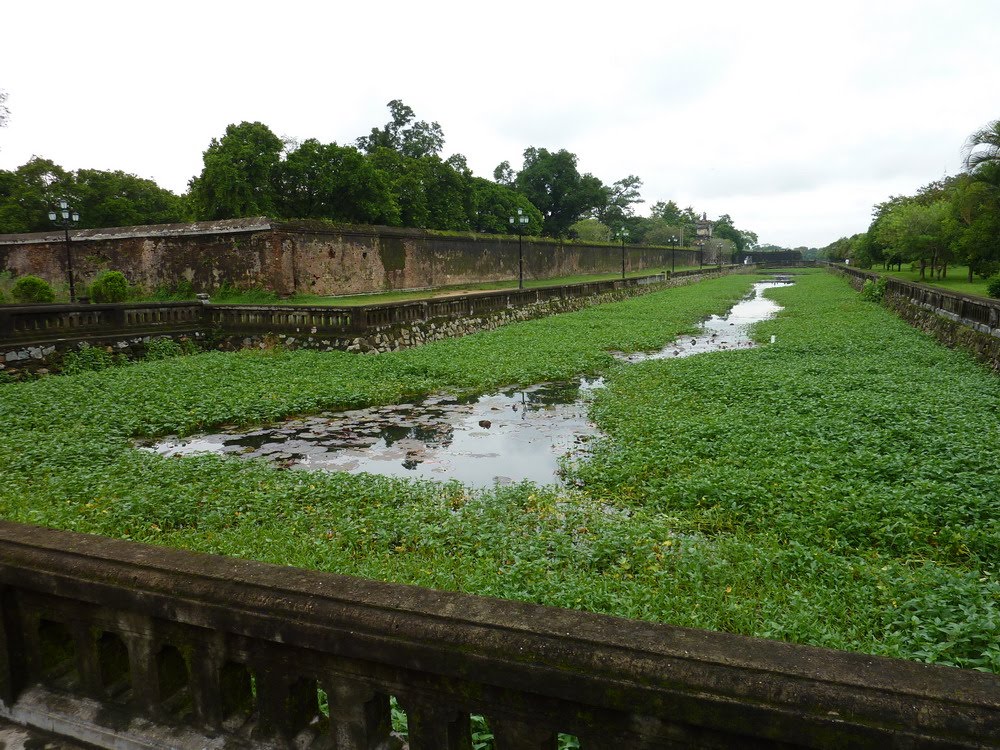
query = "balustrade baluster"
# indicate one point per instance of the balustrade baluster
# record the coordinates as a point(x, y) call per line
point(88, 662)
point(510, 734)
point(360, 718)
point(286, 703)
point(434, 727)
point(206, 682)
point(142, 665)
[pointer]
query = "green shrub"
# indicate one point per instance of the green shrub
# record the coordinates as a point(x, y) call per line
point(163, 349)
point(90, 359)
point(110, 286)
point(993, 286)
point(873, 291)
point(32, 289)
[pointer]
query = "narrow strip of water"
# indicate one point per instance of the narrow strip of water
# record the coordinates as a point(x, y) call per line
point(515, 435)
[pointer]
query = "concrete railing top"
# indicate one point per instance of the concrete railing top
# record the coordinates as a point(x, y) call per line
point(598, 677)
point(915, 285)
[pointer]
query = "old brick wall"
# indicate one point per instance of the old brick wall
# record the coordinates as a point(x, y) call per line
point(310, 257)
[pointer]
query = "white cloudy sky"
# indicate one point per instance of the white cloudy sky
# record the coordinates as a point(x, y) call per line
point(793, 117)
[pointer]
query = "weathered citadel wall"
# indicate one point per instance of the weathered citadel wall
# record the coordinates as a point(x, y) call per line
point(312, 258)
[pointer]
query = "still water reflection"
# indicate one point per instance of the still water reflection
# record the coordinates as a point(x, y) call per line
point(514, 435)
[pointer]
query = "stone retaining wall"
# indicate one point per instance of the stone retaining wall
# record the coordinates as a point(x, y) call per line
point(956, 320)
point(319, 258)
point(125, 645)
point(229, 328)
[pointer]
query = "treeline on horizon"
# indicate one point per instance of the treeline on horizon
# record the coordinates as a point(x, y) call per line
point(393, 176)
point(951, 221)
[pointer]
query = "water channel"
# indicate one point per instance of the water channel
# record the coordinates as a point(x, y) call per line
point(514, 435)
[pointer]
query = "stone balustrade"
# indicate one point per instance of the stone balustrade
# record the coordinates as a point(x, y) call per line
point(131, 646)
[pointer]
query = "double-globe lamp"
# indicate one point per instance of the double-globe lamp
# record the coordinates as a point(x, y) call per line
point(66, 218)
point(520, 221)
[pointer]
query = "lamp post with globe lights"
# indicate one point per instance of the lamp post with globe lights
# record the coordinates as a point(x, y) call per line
point(623, 236)
point(66, 217)
point(520, 221)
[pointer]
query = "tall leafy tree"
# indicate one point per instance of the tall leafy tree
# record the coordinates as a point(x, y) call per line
point(975, 200)
point(405, 184)
point(666, 211)
point(403, 134)
point(29, 192)
point(328, 181)
point(495, 204)
point(919, 232)
point(552, 182)
point(620, 199)
point(239, 175)
point(118, 199)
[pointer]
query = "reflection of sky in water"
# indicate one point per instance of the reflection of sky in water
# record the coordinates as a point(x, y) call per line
point(511, 436)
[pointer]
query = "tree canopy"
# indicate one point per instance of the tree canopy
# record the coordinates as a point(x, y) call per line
point(955, 219)
point(239, 175)
point(551, 181)
point(103, 199)
point(396, 175)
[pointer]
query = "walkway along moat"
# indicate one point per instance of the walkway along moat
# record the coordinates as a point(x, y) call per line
point(514, 435)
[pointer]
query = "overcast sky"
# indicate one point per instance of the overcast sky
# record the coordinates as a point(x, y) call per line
point(792, 117)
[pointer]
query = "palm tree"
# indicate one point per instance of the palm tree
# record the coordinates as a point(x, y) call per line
point(975, 157)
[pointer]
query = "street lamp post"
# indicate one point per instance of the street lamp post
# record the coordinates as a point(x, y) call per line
point(673, 252)
point(520, 221)
point(66, 218)
point(623, 236)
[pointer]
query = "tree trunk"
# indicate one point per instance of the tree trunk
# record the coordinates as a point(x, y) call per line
point(970, 273)
point(923, 268)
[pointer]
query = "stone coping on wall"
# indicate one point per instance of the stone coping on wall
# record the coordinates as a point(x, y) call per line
point(599, 677)
point(222, 226)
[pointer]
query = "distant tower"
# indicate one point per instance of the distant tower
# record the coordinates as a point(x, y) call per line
point(703, 231)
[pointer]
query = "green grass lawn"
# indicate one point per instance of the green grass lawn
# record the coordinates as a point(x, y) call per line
point(956, 281)
point(837, 487)
point(261, 297)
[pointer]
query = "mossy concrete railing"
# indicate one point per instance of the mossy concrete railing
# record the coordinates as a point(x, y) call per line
point(39, 324)
point(981, 313)
point(962, 321)
point(126, 645)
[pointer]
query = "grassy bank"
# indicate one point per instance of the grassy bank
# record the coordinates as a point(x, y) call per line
point(258, 296)
point(838, 487)
point(957, 279)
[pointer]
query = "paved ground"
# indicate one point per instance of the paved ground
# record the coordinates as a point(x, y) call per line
point(14, 737)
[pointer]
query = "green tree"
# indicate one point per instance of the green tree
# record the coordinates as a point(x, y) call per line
point(590, 230)
point(117, 199)
point(975, 200)
point(239, 175)
point(723, 228)
point(551, 181)
point(921, 233)
point(402, 134)
point(666, 211)
point(494, 205)
point(619, 201)
point(328, 181)
point(504, 174)
point(663, 234)
point(29, 192)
